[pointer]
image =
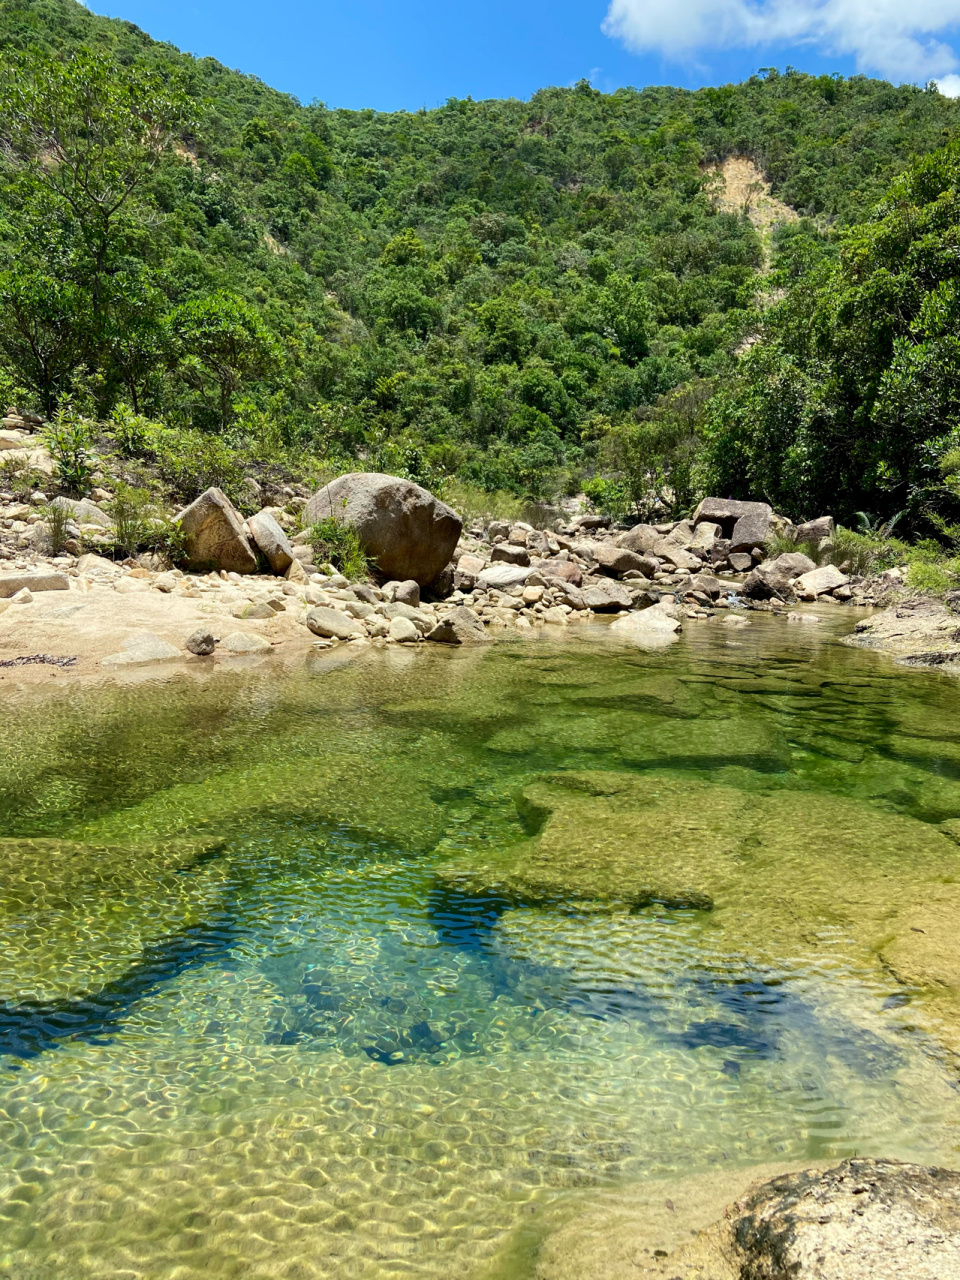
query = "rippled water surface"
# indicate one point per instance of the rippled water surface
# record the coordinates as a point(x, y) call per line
point(250, 1026)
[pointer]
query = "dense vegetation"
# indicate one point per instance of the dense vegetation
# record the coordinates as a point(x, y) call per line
point(520, 295)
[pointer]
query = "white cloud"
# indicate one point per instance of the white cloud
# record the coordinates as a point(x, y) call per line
point(949, 86)
point(894, 37)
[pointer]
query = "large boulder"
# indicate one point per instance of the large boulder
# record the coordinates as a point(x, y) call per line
point(642, 539)
point(562, 571)
point(606, 596)
point(792, 563)
point(272, 541)
point(766, 582)
point(405, 530)
point(815, 530)
point(820, 581)
point(677, 556)
point(746, 524)
point(876, 1219)
point(215, 536)
point(618, 560)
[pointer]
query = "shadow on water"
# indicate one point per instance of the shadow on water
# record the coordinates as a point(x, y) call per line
point(32, 1027)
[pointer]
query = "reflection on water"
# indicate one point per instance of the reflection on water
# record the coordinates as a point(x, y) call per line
point(249, 1028)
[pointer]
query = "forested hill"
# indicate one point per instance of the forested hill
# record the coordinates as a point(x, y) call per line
point(483, 290)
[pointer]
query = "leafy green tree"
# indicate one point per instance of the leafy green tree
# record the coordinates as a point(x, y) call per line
point(87, 134)
point(219, 343)
point(43, 326)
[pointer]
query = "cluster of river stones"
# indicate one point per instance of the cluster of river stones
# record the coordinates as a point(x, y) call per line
point(435, 580)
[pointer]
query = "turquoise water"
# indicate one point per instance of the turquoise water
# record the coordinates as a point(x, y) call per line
point(248, 1026)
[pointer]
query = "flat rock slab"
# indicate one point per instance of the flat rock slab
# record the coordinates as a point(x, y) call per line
point(142, 649)
point(919, 632)
point(11, 583)
point(245, 642)
point(504, 575)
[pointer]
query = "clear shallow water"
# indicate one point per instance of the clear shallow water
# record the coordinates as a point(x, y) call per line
point(248, 1028)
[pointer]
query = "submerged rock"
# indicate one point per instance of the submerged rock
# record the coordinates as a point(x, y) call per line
point(774, 866)
point(865, 1219)
point(651, 628)
point(141, 650)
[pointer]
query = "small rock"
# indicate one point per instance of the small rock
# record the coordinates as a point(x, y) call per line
point(408, 592)
point(402, 630)
point(202, 643)
point(23, 596)
point(259, 610)
point(327, 623)
point(460, 626)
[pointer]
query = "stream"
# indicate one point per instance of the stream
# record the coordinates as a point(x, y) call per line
point(272, 1006)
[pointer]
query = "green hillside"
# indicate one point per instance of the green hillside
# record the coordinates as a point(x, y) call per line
point(521, 295)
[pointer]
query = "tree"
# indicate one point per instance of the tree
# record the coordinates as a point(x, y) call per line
point(88, 134)
point(219, 342)
point(43, 321)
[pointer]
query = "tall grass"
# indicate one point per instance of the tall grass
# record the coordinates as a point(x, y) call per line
point(340, 545)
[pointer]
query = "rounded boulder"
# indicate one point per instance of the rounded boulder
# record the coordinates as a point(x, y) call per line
point(405, 530)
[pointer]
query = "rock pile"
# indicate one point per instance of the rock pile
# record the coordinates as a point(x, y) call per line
point(437, 581)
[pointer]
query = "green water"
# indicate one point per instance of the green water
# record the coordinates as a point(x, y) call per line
point(326, 974)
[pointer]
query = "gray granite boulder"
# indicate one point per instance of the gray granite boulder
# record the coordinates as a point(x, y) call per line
point(404, 529)
point(272, 541)
point(460, 626)
point(215, 536)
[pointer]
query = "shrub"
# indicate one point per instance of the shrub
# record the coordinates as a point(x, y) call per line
point(131, 431)
point(923, 575)
point(57, 518)
point(68, 439)
point(140, 524)
point(340, 545)
point(479, 506)
point(19, 479)
point(191, 462)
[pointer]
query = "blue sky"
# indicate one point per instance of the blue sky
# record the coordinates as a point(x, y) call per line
point(393, 54)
